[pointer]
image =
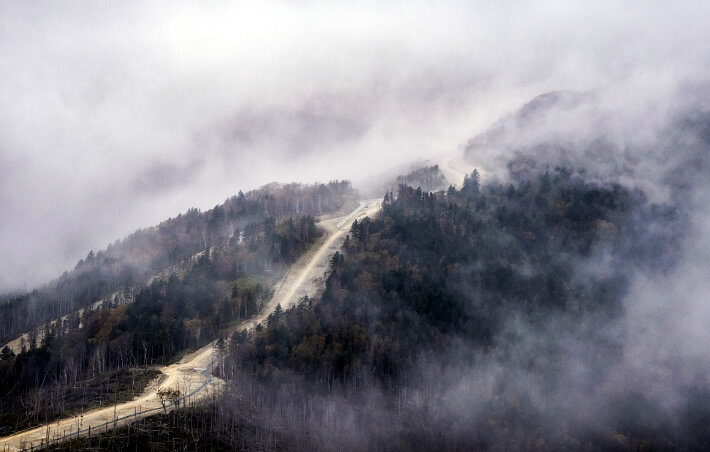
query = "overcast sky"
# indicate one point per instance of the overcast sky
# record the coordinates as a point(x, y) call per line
point(118, 116)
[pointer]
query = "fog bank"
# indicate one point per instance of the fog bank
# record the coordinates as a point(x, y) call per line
point(119, 116)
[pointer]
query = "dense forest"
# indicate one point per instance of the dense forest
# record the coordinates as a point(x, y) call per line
point(453, 264)
point(426, 292)
point(441, 319)
point(448, 321)
point(210, 270)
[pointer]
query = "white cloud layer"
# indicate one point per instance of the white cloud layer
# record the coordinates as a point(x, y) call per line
point(116, 116)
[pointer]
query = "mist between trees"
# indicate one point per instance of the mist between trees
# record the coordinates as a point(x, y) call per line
point(489, 317)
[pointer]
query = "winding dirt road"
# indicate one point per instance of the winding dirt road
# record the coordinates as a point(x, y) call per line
point(305, 276)
point(192, 375)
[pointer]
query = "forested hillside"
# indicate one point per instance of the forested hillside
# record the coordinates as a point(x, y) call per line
point(475, 296)
point(435, 266)
point(188, 278)
point(448, 322)
point(170, 247)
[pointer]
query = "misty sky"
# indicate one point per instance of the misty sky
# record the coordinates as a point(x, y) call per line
point(118, 116)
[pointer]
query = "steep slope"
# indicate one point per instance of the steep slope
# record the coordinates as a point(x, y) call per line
point(469, 311)
point(172, 247)
point(231, 257)
point(192, 374)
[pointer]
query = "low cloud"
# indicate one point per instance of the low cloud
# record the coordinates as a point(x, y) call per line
point(117, 117)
